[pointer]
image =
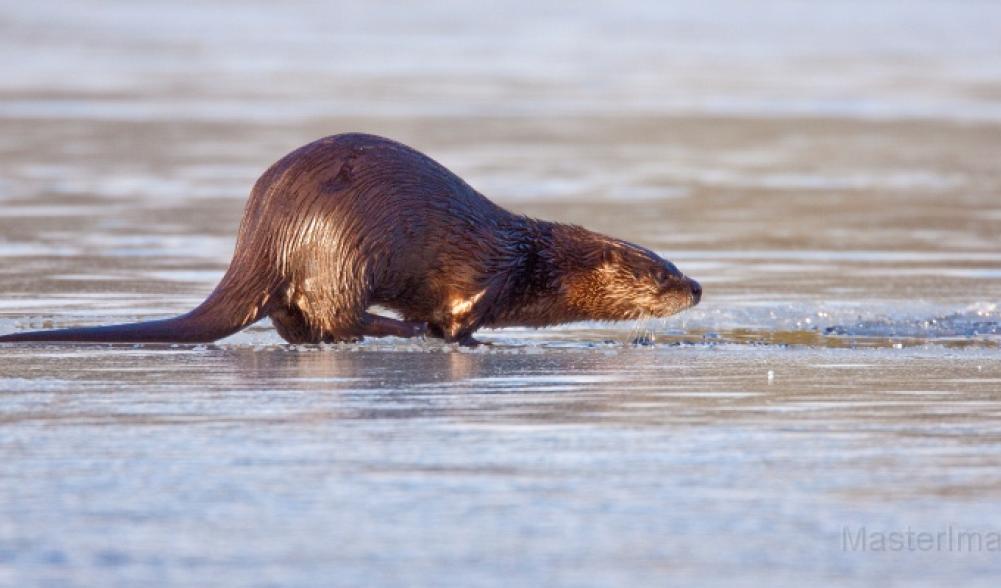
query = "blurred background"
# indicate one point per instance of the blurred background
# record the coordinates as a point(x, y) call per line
point(816, 165)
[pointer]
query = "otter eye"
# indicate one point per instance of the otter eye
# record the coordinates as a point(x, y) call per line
point(661, 275)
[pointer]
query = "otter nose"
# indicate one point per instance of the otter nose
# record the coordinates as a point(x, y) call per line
point(696, 289)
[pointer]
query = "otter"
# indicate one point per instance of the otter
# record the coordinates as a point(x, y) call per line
point(354, 220)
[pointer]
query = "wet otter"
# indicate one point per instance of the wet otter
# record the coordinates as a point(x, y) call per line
point(354, 220)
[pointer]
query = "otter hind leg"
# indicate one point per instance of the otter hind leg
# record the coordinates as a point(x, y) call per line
point(382, 326)
point(315, 310)
point(292, 326)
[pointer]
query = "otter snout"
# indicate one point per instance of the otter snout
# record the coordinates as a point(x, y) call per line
point(696, 289)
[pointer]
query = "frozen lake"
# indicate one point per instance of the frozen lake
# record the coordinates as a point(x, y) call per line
point(260, 467)
point(829, 173)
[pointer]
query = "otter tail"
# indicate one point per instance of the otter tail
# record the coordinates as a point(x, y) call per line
point(236, 303)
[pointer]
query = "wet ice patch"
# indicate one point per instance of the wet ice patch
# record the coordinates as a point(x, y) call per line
point(980, 320)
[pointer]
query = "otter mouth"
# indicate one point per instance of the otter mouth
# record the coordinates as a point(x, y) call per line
point(678, 295)
point(684, 296)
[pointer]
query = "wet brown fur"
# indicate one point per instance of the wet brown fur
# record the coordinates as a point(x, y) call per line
point(353, 220)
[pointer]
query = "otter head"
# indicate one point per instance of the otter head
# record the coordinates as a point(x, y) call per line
point(630, 282)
